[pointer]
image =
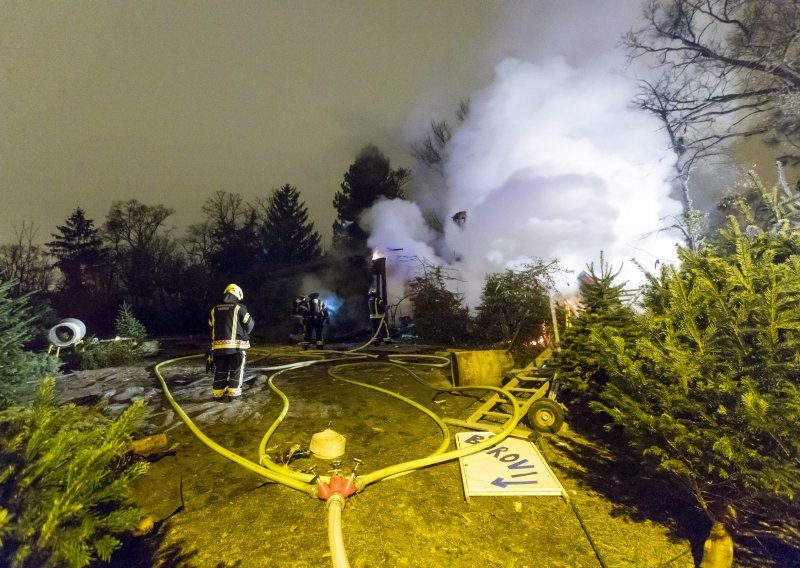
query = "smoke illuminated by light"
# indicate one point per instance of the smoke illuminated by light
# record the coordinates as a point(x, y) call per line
point(332, 302)
point(553, 163)
point(398, 227)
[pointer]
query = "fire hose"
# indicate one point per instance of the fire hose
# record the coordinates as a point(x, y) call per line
point(334, 489)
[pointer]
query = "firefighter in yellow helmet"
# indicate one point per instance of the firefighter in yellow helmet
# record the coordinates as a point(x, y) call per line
point(231, 325)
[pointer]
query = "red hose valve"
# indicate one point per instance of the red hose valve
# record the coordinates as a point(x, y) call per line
point(338, 485)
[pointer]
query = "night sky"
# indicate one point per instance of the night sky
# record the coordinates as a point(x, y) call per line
point(168, 102)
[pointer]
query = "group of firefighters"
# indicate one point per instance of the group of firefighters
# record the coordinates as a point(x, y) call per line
point(231, 325)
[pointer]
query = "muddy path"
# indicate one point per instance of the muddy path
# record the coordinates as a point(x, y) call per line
point(212, 512)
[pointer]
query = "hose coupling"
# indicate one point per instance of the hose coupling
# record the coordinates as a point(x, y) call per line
point(335, 498)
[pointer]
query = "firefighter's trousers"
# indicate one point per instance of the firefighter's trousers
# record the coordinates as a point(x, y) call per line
point(380, 329)
point(228, 374)
point(314, 330)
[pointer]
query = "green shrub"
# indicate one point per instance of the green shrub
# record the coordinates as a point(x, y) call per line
point(101, 354)
point(64, 481)
point(515, 305)
point(439, 314)
point(128, 326)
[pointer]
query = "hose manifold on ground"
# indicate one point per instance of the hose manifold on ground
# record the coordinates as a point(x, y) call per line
point(338, 486)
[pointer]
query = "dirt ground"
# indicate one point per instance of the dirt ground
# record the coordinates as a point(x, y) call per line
point(213, 513)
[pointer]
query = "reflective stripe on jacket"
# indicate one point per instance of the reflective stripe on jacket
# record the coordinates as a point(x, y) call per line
point(230, 325)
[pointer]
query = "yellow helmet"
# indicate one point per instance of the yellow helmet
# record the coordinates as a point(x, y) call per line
point(235, 290)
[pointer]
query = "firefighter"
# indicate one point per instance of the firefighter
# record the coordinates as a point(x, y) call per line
point(316, 315)
point(231, 325)
point(377, 317)
point(300, 310)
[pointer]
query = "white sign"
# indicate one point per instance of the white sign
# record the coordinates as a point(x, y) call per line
point(512, 467)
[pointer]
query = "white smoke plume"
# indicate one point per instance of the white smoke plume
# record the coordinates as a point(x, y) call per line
point(552, 162)
point(398, 231)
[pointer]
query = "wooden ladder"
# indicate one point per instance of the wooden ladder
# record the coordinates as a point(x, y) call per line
point(496, 406)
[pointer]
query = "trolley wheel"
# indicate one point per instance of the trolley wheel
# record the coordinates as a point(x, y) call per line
point(545, 415)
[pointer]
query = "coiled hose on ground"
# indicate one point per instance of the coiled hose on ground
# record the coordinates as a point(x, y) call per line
point(304, 481)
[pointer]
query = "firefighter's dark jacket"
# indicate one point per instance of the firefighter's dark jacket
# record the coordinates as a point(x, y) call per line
point(231, 325)
point(312, 309)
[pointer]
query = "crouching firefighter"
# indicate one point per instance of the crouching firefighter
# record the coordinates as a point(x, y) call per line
point(377, 317)
point(230, 324)
point(315, 319)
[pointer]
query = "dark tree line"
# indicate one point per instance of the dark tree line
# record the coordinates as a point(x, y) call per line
point(169, 281)
point(89, 268)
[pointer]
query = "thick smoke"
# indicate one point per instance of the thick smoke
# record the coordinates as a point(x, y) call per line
point(552, 162)
point(399, 232)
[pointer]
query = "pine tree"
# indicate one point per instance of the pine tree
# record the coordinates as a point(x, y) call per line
point(17, 366)
point(368, 178)
point(286, 233)
point(79, 250)
point(603, 304)
point(64, 481)
point(709, 391)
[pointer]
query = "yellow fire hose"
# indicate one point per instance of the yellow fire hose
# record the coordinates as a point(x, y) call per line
point(439, 456)
point(247, 464)
point(302, 481)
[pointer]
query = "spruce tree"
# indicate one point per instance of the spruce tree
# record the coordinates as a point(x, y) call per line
point(17, 366)
point(371, 176)
point(64, 482)
point(603, 303)
point(129, 326)
point(286, 233)
point(79, 250)
point(709, 390)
